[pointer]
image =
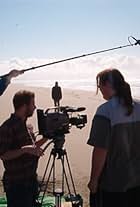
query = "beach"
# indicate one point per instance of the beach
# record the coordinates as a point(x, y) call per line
point(79, 153)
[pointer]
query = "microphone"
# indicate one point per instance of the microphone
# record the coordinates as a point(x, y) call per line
point(74, 109)
point(81, 108)
point(137, 41)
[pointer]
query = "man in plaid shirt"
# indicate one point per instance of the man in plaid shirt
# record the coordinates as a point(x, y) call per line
point(20, 152)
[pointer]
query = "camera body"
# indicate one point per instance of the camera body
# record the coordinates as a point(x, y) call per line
point(57, 121)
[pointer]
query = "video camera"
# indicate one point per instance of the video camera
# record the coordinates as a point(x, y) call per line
point(58, 120)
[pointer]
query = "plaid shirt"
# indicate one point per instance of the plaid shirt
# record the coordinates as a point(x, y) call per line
point(14, 135)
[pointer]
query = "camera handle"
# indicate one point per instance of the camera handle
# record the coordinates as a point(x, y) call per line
point(75, 199)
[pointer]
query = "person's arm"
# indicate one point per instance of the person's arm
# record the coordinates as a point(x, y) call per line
point(60, 93)
point(98, 161)
point(5, 79)
point(13, 74)
point(3, 84)
point(28, 149)
point(40, 142)
point(53, 93)
point(12, 154)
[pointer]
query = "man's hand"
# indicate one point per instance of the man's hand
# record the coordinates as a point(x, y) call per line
point(28, 149)
point(93, 186)
point(15, 73)
point(34, 150)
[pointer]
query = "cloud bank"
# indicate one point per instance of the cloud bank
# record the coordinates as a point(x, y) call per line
point(79, 70)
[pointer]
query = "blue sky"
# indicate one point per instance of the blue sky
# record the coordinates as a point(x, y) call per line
point(65, 28)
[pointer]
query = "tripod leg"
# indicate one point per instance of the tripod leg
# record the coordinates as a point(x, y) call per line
point(70, 172)
point(72, 180)
point(49, 175)
point(64, 175)
point(44, 175)
point(76, 200)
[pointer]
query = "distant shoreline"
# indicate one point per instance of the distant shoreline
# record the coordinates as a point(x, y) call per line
point(135, 86)
point(45, 86)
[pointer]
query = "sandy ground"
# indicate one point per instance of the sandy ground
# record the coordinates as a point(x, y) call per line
point(79, 153)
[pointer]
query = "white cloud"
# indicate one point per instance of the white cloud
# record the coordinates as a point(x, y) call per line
point(81, 69)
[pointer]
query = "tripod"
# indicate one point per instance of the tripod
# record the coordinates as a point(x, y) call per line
point(60, 154)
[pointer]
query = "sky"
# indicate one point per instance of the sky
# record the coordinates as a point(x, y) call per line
point(63, 28)
point(35, 31)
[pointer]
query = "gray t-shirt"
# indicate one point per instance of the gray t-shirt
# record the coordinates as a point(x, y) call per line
point(113, 130)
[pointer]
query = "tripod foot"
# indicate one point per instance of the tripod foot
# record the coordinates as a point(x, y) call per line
point(76, 200)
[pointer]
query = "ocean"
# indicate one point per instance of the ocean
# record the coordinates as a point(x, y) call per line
point(82, 84)
point(86, 85)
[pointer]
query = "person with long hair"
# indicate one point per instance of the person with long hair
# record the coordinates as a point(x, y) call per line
point(115, 137)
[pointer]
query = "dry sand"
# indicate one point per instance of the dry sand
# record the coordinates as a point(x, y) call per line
point(79, 153)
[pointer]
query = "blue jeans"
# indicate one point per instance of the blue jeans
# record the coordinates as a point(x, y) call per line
point(21, 195)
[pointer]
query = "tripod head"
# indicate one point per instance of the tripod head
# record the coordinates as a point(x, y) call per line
point(59, 141)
